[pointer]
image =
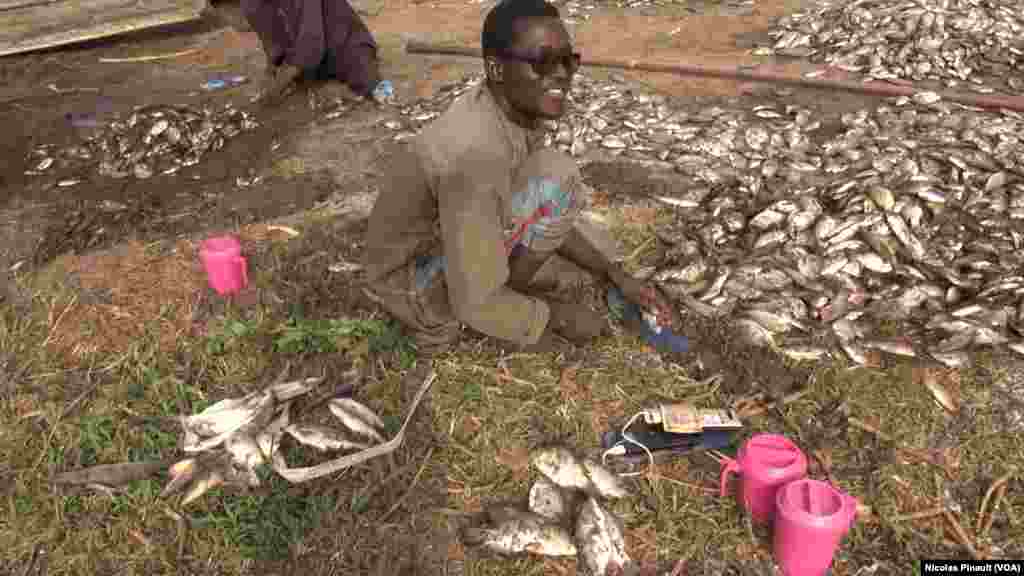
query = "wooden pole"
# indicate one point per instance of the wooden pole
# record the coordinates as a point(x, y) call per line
point(877, 88)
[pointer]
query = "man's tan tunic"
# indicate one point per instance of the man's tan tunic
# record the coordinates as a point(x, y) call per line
point(463, 196)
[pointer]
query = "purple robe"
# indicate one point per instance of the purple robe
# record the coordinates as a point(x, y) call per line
point(322, 37)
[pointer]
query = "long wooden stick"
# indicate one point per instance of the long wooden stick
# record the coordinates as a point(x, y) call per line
point(152, 58)
point(876, 88)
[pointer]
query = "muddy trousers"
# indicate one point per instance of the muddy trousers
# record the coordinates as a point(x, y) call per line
point(417, 294)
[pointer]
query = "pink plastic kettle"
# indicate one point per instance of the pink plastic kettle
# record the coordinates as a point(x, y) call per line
point(811, 519)
point(226, 269)
point(764, 463)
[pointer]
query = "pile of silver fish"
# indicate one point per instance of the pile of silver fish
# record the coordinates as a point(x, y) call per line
point(958, 42)
point(565, 516)
point(818, 235)
point(230, 440)
point(151, 140)
point(576, 12)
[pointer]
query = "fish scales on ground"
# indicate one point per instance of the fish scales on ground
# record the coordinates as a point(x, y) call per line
point(905, 211)
point(962, 43)
point(150, 141)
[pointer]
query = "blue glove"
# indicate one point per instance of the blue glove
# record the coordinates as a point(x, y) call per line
point(659, 337)
point(384, 91)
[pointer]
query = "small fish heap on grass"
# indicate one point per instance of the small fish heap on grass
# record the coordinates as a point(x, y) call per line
point(565, 516)
point(152, 140)
point(953, 41)
point(905, 219)
point(231, 439)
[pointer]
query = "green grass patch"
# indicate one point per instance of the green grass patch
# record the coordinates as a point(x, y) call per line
point(481, 426)
point(265, 527)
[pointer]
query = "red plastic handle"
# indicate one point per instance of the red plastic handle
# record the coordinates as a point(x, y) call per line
point(728, 466)
point(244, 265)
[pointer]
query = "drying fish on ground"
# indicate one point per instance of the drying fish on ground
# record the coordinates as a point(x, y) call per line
point(566, 470)
point(518, 532)
point(151, 140)
point(549, 500)
point(564, 516)
point(357, 418)
point(232, 439)
point(959, 42)
point(599, 536)
point(322, 438)
point(904, 219)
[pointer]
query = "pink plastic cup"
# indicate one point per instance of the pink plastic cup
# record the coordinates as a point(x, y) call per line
point(764, 463)
point(811, 519)
point(226, 269)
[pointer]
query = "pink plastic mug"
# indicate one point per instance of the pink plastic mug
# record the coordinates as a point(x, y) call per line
point(811, 519)
point(764, 463)
point(226, 269)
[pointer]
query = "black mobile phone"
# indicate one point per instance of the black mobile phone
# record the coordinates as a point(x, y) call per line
point(658, 440)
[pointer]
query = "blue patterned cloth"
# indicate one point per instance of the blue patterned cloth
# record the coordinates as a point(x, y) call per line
point(658, 337)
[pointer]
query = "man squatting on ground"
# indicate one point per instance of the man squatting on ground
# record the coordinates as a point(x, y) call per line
point(318, 39)
point(476, 224)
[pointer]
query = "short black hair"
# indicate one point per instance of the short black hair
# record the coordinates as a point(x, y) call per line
point(500, 24)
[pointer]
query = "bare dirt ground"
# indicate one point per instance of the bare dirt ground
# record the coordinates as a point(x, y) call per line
point(107, 327)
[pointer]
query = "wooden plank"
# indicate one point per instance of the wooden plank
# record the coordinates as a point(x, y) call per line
point(15, 4)
point(35, 27)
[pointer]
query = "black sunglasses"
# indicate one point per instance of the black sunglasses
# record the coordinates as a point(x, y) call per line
point(548, 62)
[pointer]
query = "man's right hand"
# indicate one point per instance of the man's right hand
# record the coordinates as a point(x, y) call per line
point(277, 81)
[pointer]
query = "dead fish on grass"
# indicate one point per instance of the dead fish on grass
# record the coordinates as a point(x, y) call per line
point(521, 532)
point(246, 456)
point(601, 541)
point(213, 425)
point(200, 474)
point(322, 438)
point(564, 469)
point(547, 499)
point(357, 418)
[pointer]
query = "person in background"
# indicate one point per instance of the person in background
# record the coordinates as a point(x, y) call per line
point(318, 39)
point(478, 224)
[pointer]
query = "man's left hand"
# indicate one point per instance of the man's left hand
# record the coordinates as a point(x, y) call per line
point(648, 298)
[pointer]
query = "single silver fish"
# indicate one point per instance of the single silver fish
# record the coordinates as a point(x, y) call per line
point(322, 438)
point(754, 333)
point(804, 353)
point(773, 321)
point(770, 239)
point(547, 499)
point(767, 218)
point(246, 455)
point(229, 414)
point(898, 347)
point(956, 359)
point(359, 410)
point(600, 537)
point(523, 534)
point(902, 232)
point(354, 422)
